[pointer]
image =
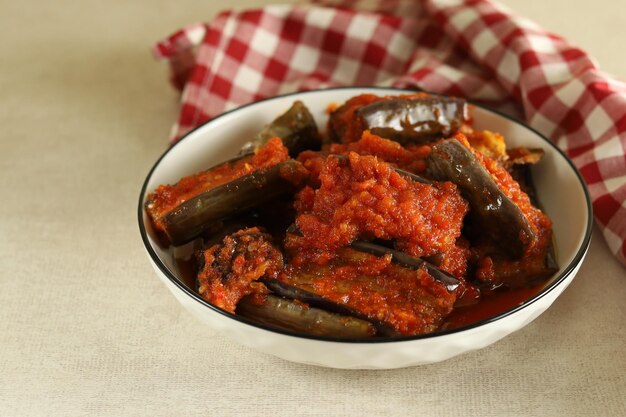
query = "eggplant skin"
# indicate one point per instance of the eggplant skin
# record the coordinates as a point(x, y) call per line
point(297, 129)
point(292, 292)
point(497, 215)
point(191, 218)
point(399, 258)
point(297, 316)
point(398, 299)
point(414, 120)
point(407, 261)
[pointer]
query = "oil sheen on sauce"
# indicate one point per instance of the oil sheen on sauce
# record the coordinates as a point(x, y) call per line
point(491, 305)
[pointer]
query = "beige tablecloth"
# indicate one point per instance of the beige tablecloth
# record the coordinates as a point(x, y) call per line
point(87, 329)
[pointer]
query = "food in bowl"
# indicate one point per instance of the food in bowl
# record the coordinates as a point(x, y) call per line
point(406, 222)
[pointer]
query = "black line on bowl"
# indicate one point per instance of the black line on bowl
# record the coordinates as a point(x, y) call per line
point(555, 283)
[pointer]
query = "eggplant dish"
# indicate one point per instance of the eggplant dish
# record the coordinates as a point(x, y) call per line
point(400, 220)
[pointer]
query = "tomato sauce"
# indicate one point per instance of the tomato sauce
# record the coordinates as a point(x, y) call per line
point(362, 197)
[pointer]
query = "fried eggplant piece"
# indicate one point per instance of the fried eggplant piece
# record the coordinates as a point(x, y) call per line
point(523, 156)
point(189, 219)
point(297, 129)
point(407, 261)
point(229, 277)
point(540, 263)
point(497, 215)
point(518, 165)
point(411, 119)
point(294, 292)
point(289, 134)
point(296, 315)
point(168, 197)
point(409, 301)
point(230, 270)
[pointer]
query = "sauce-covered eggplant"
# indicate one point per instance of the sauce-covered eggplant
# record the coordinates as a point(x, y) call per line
point(408, 119)
point(406, 221)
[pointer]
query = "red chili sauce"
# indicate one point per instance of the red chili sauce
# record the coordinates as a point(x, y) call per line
point(362, 197)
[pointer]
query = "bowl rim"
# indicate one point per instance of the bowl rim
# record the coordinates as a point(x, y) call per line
point(567, 271)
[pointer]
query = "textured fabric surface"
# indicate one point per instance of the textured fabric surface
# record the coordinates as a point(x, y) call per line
point(87, 329)
point(471, 48)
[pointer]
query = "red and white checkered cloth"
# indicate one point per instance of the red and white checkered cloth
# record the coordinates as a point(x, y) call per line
point(471, 48)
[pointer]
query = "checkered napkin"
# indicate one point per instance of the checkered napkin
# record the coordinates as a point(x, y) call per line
point(474, 48)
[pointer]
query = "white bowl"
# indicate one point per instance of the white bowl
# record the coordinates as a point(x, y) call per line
point(560, 187)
